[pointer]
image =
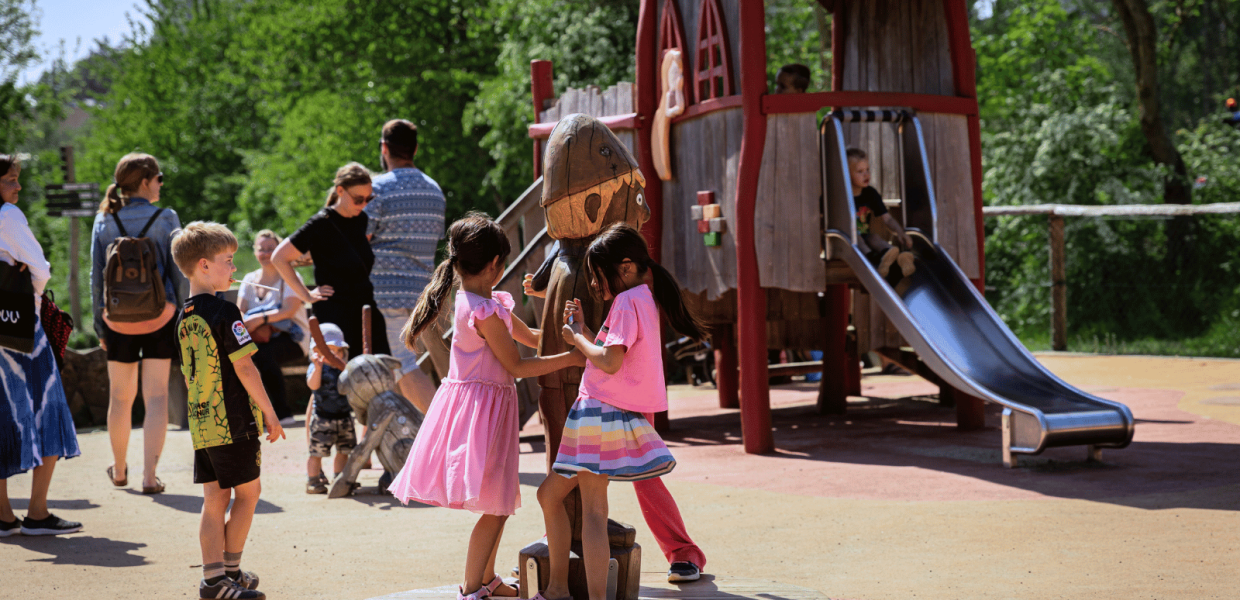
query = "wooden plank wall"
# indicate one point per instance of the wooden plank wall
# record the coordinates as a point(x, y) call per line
point(705, 155)
point(788, 214)
point(793, 319)
point(689, 11)
point(902, 46)
point(596, 102)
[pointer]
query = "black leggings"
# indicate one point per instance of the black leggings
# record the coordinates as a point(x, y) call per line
point(278, 350)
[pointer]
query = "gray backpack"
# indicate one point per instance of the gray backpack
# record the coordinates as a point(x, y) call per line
point(133, 290)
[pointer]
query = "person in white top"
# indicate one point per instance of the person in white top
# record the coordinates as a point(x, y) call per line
point(34, 414)
point(276, 321)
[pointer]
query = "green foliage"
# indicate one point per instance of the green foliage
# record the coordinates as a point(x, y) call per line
point(798, 32)
point(588, 43)
point(17, 30)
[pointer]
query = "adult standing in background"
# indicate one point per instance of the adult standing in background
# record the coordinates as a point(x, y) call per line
point(36, 427)
point(127, 209)
point(335, 237)
point(406, 223)
point(276, 321)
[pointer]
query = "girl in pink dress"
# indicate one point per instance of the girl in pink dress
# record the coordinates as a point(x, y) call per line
point(465, 454)
point(606, 437)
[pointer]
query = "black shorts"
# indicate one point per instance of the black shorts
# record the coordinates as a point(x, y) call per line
point(132, 348)
point(231, 464)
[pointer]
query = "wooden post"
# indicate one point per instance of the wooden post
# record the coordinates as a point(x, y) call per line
point(75, 291)
point(1059, 286)
point(647, 99)
point(970, 411)
point(750, 297)
point(836, 372)
point(725, 366)
point(542, 89)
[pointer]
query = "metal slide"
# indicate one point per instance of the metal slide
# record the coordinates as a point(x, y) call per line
point(952, 328)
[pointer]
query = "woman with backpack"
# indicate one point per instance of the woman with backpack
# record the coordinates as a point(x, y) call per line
point(36, 427)
point(133, 282)
point(336, 239)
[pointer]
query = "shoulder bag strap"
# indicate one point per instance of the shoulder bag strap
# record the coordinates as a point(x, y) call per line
point(150, 222)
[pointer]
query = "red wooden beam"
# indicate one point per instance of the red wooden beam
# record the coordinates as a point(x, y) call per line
point(648, 57)
point(804, 103)
point(964, 77)
point(750, 298)
point(614, 122)
point(542, 89)
point(709, 106)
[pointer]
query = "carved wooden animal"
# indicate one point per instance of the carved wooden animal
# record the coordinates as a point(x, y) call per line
point(391, 421)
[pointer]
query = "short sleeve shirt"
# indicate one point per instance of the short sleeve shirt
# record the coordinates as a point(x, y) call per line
point(212, 337)
point(329, 403)
point(633, 322)
point(869, 205)
point(406, 223)
point(341, 253)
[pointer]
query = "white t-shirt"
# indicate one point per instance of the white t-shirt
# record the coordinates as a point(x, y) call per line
point(252, 296)
point(17, 244)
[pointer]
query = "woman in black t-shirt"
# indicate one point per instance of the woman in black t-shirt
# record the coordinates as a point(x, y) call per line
point(335, 237)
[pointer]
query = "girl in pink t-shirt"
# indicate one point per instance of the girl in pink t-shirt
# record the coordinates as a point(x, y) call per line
point(606, 437)
point(465, 453)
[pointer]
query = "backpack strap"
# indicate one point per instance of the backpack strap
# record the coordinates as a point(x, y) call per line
point(120, 225)
point(149, 222)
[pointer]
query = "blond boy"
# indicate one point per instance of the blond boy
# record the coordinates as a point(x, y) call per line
point(870, 205)
point(228, 408)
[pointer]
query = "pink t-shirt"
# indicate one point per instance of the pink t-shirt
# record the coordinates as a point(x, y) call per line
point(638, 386)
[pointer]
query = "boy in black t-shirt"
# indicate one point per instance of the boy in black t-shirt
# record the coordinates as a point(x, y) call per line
point(228, 408)
point(870, 205)
point(331, 421)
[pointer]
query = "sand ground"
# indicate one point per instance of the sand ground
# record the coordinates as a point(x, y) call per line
point(887, 502)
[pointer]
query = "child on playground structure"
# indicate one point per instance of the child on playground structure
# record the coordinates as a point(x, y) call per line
point(228, 408)
point(465, 454)
point(870, 205)
point(331, 421)
point(606, 437)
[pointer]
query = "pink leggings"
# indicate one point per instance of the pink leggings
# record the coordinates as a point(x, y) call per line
point(663, 518)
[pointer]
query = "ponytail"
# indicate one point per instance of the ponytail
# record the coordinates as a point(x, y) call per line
point(667, 295)
point(113, 200)
point(347, 176)
point(430, 303)
point(131, 170)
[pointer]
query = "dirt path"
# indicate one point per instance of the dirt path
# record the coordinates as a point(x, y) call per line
point(889, 502)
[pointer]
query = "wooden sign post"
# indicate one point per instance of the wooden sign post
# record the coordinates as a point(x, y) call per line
point(72, 199)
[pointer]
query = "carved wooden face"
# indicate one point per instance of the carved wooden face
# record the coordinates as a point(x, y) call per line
point(367, 376)
point(591, 180)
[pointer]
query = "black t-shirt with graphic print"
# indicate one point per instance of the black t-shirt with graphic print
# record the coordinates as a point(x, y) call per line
point(869, 205)
point(212, 337)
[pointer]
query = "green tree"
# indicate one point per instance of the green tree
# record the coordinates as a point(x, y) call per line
point(17, 30)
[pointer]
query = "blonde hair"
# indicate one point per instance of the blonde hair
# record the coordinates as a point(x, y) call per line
point(200, 240)
point(131, 170)
point(265, 235)
point(347, 176)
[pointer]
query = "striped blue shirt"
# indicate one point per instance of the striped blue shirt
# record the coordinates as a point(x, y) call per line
point(406, 223)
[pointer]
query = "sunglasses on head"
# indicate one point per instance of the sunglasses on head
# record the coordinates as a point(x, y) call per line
point(358, 201)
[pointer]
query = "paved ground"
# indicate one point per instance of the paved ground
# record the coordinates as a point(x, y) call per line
point(889, 502)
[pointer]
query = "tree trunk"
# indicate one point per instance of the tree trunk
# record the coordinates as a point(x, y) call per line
point(1143, 47)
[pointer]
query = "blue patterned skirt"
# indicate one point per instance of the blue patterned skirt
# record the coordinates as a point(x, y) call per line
point(34, 414)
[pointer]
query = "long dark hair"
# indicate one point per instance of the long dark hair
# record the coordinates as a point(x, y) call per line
point(620, 242)
point(131, 169)
point(473, 242)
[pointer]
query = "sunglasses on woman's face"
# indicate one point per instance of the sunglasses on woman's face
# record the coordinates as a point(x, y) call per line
point(359, 201)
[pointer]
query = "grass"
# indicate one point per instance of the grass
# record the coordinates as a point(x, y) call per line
point(1220, 341)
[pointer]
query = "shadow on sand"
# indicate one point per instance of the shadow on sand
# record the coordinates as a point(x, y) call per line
point(193, 504)
point(82, 550)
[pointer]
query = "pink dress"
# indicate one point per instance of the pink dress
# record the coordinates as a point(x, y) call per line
point(465, 454)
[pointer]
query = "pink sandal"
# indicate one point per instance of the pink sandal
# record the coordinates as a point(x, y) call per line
point(495, 583)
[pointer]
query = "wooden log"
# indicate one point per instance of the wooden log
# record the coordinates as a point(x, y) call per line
point(316, 334)
point(1059, 286)
point(833, 388)
point(726, 375)
point(367, 344)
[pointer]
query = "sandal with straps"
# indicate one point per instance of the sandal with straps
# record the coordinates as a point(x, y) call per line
point(121, 483)
point(480, 594)
point(495, 583)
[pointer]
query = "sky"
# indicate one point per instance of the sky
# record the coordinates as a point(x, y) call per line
point(73, 19)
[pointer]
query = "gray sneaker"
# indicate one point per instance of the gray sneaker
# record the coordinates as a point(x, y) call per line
point(229, 589)
point(683, 571)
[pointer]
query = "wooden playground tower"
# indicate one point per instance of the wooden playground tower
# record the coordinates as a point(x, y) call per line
point(766, 284)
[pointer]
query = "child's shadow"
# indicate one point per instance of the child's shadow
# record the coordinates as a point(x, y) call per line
point(193, 504)
point(81, 550)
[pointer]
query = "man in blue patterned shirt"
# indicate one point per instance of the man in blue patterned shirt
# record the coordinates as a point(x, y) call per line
point(405, 225)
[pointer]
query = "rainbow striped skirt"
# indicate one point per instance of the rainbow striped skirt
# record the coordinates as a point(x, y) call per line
point(606, 440)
